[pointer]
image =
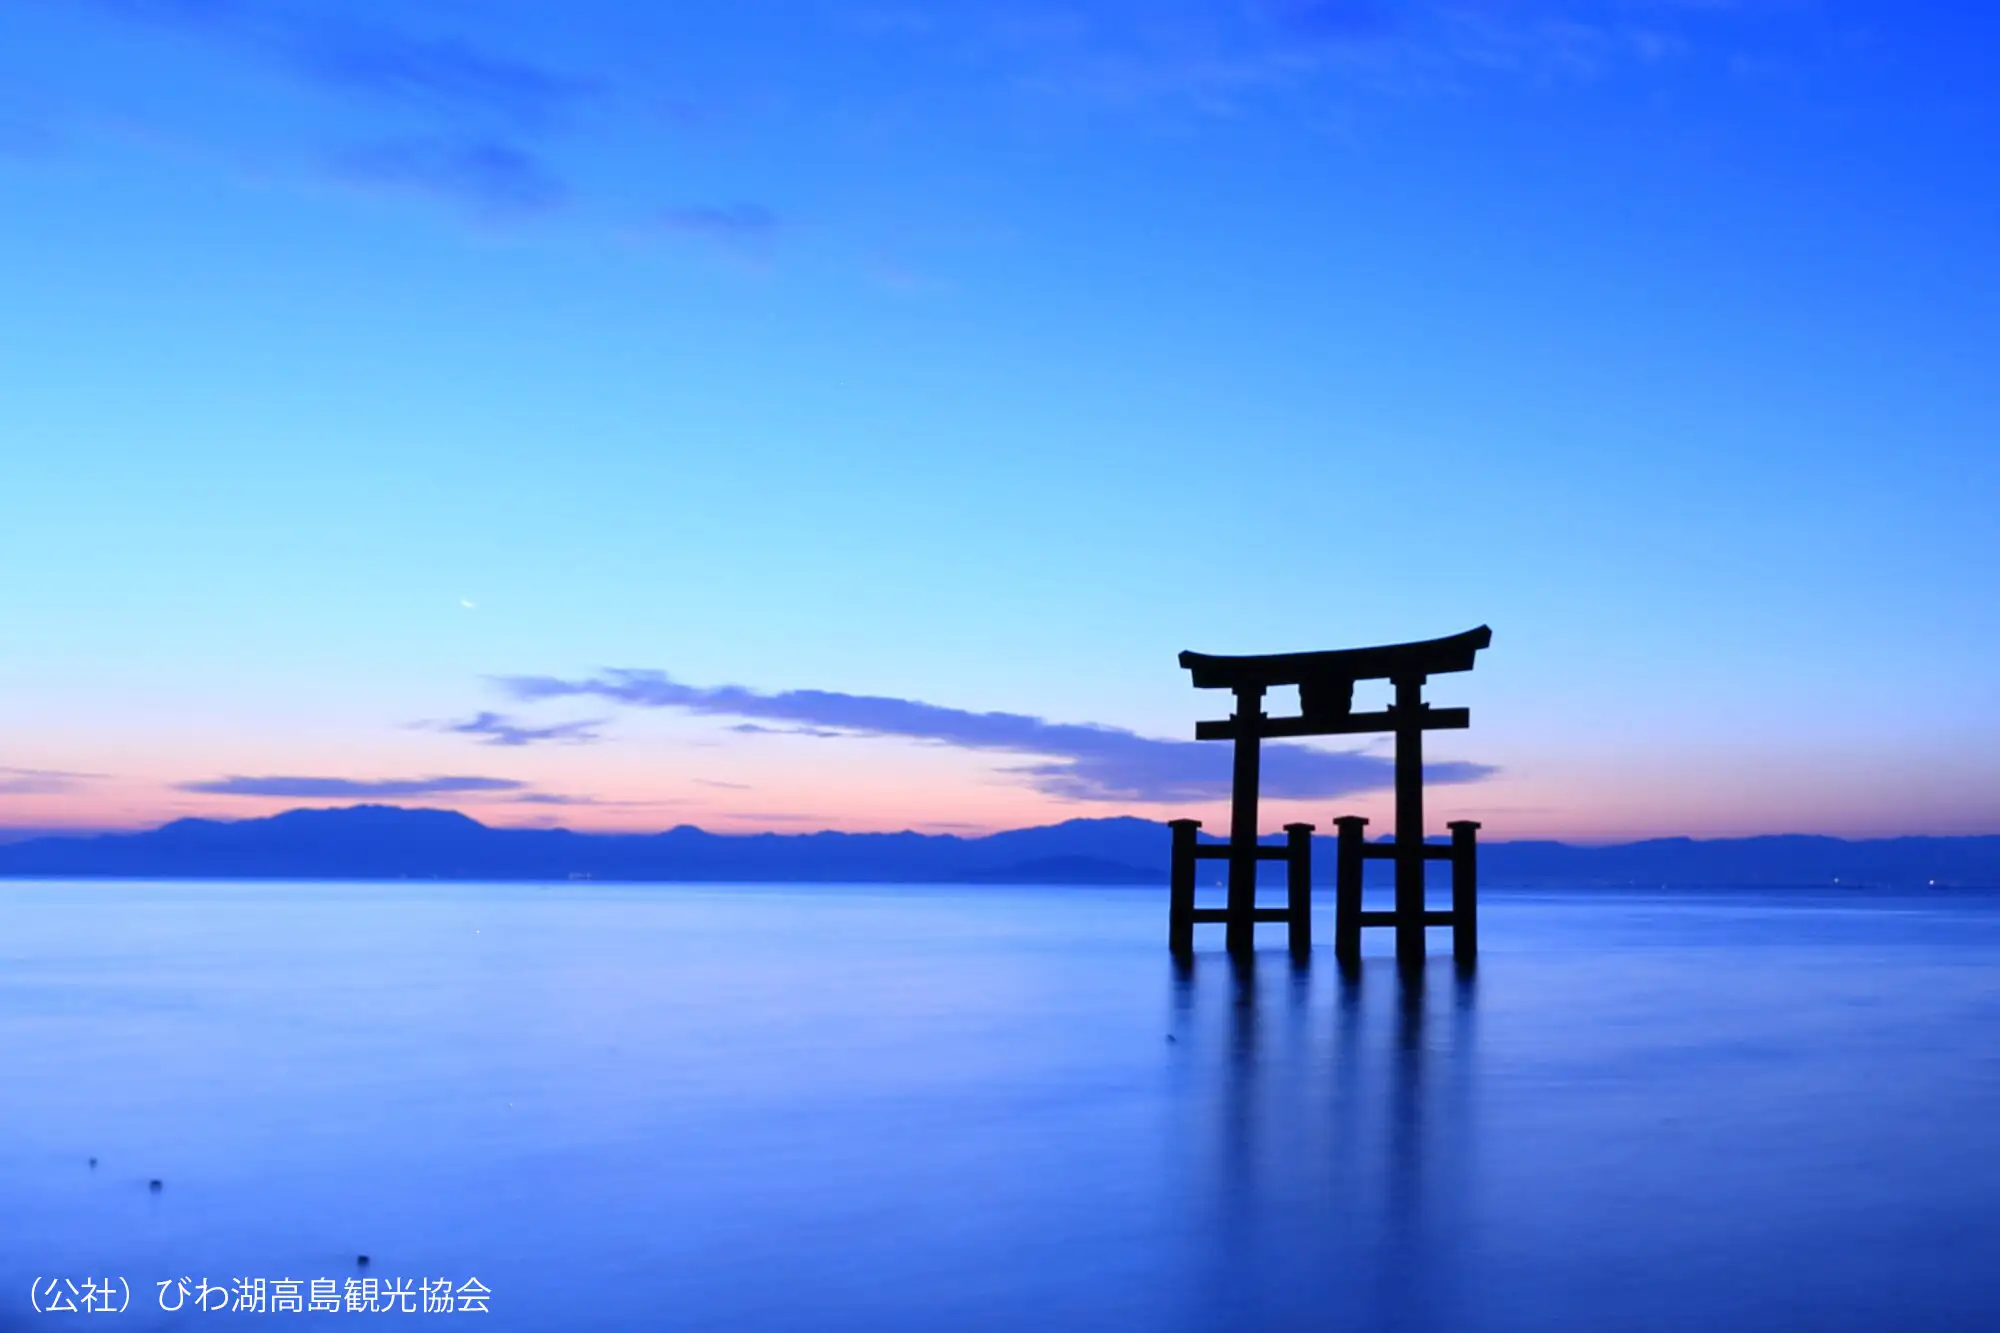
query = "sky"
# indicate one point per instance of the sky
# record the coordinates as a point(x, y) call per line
point(840, 414)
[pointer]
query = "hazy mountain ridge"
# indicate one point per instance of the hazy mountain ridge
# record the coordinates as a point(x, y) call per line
point(391, 842)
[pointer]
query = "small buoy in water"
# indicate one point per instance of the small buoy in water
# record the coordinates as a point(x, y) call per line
point(361, 1261)
point(93, 1163)
point(153, 1185)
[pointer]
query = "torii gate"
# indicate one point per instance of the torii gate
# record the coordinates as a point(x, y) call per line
point(1326, 703)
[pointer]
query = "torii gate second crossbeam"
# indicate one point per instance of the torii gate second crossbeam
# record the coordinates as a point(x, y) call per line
point(1326, 708)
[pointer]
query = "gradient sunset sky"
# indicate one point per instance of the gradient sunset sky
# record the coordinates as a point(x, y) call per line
point(838, 415)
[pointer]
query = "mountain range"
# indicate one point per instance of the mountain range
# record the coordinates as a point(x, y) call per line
point(391, 842)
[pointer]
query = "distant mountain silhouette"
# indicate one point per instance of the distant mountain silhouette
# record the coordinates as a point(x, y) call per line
point(391, 842)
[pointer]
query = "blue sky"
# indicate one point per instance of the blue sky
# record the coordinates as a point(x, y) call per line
point(358, 359)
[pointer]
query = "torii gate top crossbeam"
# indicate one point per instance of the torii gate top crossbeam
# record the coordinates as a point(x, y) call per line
point(1326, 687)
point(1393, 661)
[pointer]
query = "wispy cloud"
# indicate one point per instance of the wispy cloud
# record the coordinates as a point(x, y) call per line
point(318, 787)
point(443, 75)
point(562, 799)
point(492, 179)
point(1332, 20)
point(739, 226)
point(448, 76)
point(1227, 55)
point(41, 781)
point(501, 729)
point(1074, 761)
point(468, 113)
point(194, 15)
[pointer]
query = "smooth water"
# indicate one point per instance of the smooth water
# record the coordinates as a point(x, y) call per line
point(956, 1109)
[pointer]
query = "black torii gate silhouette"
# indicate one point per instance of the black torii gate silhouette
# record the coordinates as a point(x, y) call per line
point(1326, 708)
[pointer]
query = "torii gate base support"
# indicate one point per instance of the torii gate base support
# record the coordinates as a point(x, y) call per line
point(1182, 914)
point(1352, 852)
point(1408, 919)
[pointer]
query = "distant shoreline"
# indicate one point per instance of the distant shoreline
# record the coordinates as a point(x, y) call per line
point(1323, 892)
point(390, 843)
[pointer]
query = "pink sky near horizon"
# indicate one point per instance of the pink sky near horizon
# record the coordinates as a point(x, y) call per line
point(792, 784)
point(1678, 766)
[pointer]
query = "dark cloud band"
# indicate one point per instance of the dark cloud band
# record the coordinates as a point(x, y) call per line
point(1073, 761)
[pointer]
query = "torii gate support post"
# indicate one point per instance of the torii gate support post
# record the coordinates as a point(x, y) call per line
point(1298, 887)
point(1241, 932)
point(1409, 712)
point(1464, 889)
point(1180, 893)
point(1347, 863)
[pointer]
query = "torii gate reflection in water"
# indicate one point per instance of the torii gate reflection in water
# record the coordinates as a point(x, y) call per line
point(1326, 708)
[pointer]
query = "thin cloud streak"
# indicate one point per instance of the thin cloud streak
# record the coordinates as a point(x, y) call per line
point(492, 178)
point(319, 787)
point(445, 75)
point(725, 224)
point(500, 729)
point(469, 112)
point(1076, 761)
point(1227, 58)
point(41, 781)
point(562, 799)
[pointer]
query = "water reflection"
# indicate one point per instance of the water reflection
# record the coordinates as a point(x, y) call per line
point(1340, 1133)
point(770, 1110)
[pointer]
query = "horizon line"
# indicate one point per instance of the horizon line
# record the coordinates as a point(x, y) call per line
point(14, 834)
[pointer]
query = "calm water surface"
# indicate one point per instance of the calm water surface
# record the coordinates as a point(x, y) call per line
point(945, 1109)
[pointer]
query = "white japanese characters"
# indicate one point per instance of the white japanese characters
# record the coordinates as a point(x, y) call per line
point(278, 1295)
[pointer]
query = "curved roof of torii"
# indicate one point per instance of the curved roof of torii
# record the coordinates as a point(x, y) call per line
point(1389, 661)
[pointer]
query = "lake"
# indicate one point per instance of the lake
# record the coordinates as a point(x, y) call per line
point(885, 1108)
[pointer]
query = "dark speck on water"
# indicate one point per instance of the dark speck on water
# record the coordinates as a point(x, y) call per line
point(776, 1109)
point(154, 1186)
